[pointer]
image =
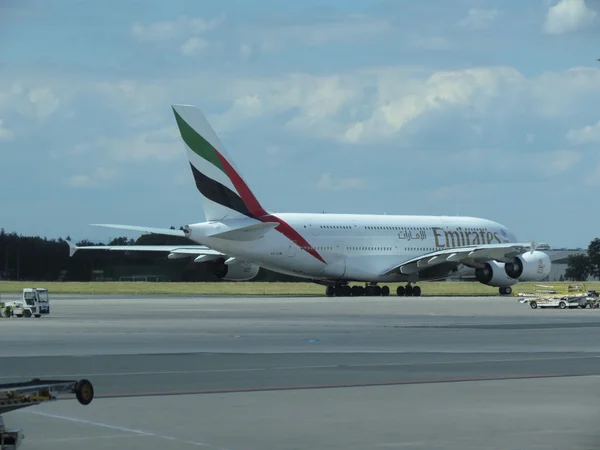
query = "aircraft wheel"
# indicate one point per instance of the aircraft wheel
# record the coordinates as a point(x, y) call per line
point(84, 392)
point(416, 291)
point(38, 316)
point(329, 291)
point(347, 290)
point(385, 291)
point(371, 291)
point(400, 291)
point(409, 291)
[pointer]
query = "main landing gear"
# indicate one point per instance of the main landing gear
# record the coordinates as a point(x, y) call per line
point(505, 290)
point(408, 291)
point(370, 290)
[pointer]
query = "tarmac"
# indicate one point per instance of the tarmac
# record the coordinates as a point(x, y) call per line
point(309, 373)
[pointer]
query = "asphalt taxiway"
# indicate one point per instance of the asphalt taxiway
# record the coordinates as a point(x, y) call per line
point(307, 373)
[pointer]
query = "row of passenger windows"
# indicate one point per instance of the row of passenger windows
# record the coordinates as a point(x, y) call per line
point(387, 249)
point(369, 248)
point(390, 228)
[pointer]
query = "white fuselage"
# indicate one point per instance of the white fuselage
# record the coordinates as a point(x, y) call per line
point(354, 247)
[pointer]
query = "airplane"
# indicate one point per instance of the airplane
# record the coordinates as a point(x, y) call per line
point(239, 236)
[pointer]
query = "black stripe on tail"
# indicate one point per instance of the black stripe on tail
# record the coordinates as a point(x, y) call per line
point(215, 191)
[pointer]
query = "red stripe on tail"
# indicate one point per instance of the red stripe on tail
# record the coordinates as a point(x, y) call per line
point(259, 213)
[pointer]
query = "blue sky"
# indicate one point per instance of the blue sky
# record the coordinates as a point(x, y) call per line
point(487, 108)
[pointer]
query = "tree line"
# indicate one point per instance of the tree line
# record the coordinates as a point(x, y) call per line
point(35, 258)
point(580, 267)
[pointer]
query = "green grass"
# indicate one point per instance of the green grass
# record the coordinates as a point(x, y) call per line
point(253, 288)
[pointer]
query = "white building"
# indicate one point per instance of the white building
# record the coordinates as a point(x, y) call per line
point(559, 258)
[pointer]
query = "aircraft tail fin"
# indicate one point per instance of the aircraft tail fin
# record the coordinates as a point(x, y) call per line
point(225, 193)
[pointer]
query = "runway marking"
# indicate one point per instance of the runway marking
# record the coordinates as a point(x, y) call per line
point(125, 429)
point(112, 436)
point(323, 366)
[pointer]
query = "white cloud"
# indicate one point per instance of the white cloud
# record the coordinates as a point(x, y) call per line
point(352, 28)
point(478, 19)
point(313, 99)
point(246, 51)
point(585, 135)
point(557, 94)
point(139, 102)
point(561, 161)
point(38, 103)
point(370, 105)
point(99, 178)
point(470, 89)
point(383, 103)
point(160, 145)
point(568, 15)
point(451, 193)
point(5, 134)
point(193, 46)
point(328, 182)
point(179, 28)
point(434, 43)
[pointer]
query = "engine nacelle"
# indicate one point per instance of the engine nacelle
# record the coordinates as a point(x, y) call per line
point(530, 266)
point(236, 271)
point(494, 274)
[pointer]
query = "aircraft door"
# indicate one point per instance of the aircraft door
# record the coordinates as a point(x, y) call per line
point(337, 267)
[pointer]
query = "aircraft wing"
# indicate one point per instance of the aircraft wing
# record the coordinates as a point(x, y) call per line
point(181, 250)
point(469, 255)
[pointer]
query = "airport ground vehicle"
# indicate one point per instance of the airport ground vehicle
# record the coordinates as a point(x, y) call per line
point(574, 296)
point(15, 396)
point(33, 302)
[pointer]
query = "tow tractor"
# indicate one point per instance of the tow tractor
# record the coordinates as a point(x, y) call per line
point(575, 296)
point(33, 302)
point(21, 395)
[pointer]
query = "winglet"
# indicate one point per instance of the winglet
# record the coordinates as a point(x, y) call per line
point(72, 248)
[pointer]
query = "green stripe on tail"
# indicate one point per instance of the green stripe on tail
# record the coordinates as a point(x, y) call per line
point(197, 143)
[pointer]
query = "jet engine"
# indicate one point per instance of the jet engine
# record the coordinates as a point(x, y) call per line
point(493, 274)
point(530, 266)
point(235, 271)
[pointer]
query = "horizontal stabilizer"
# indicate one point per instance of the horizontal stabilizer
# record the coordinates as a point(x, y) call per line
point(247, 233)
point(164, 231)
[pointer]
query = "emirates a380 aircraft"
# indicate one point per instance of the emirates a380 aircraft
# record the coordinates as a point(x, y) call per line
point(239, 236)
